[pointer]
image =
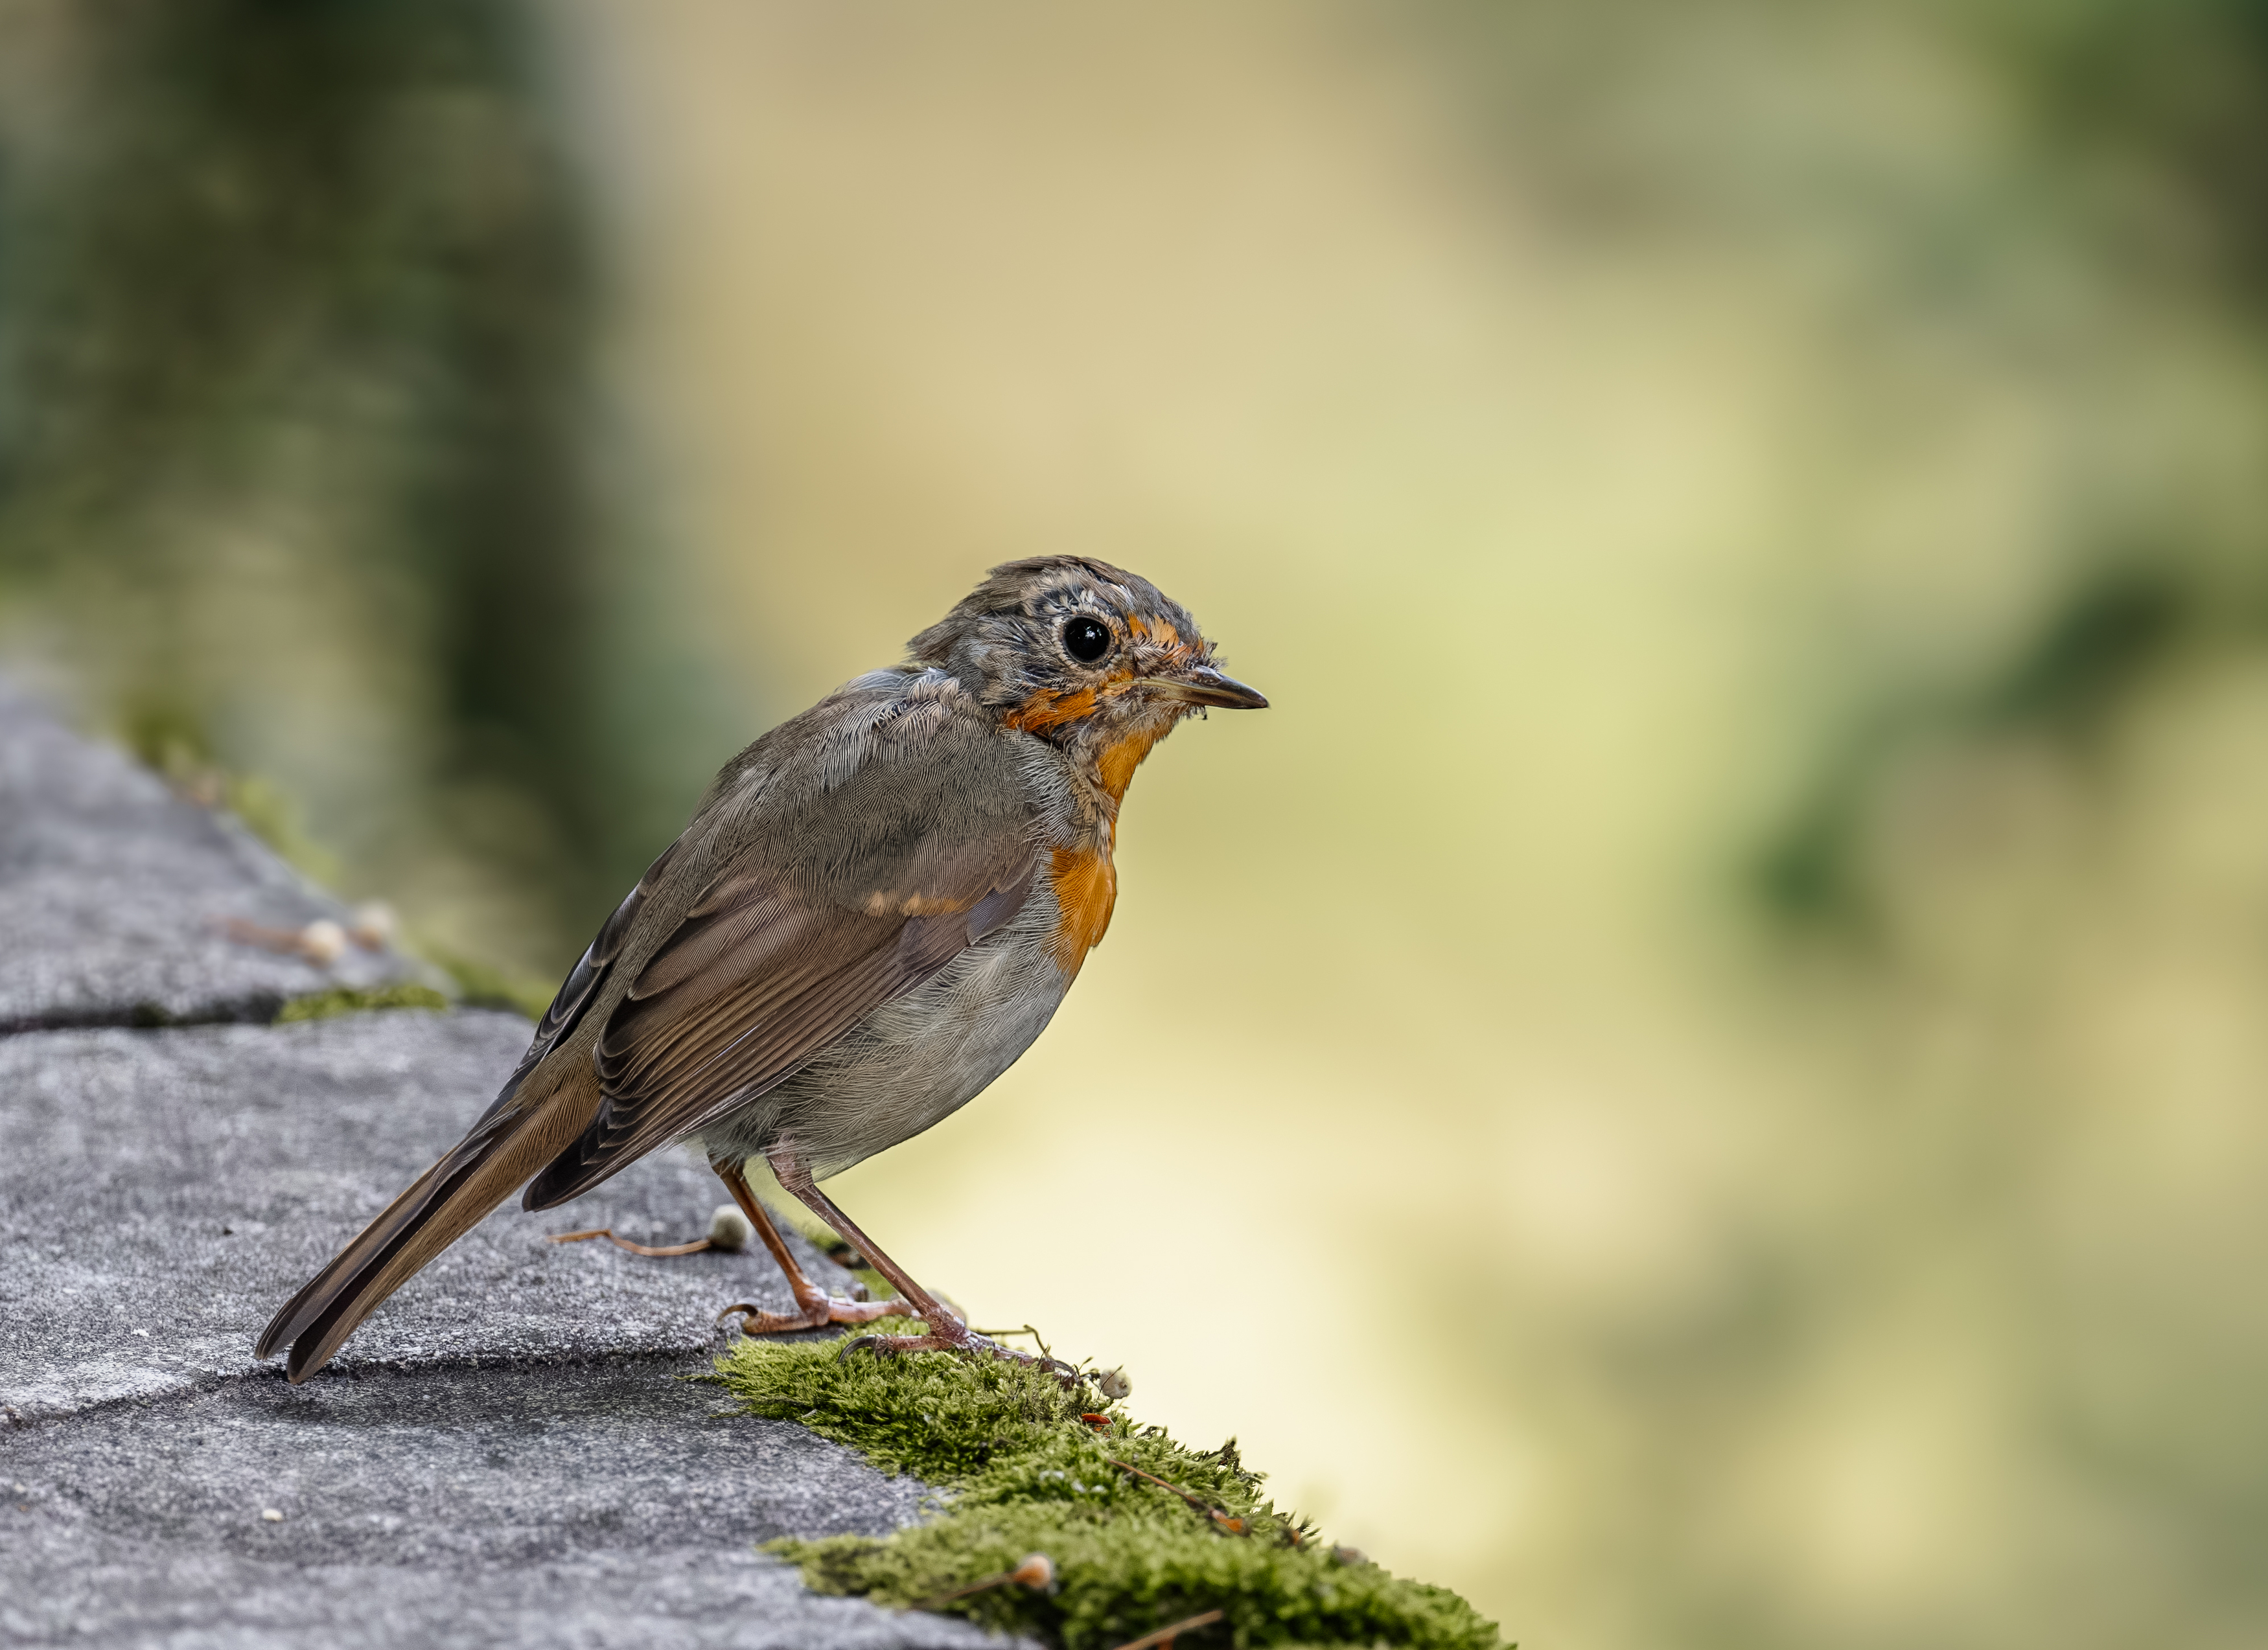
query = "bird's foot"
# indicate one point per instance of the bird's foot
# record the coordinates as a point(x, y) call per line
point(818, 1312)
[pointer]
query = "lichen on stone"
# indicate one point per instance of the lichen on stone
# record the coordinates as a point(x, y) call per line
point(1027, 1464)
point(324, 1005)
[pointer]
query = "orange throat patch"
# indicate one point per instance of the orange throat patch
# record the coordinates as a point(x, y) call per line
point(1114, 769)
point(1085, 879)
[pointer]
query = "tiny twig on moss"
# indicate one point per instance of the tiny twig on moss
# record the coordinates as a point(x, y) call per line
point(1219, 1515)
point(1037, 1572)
point(1163, 1638)
point(1027, 1330)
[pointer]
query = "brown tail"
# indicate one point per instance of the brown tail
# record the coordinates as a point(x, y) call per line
point(441, 1205)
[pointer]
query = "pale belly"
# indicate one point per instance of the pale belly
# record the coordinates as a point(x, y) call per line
point(914, 1061)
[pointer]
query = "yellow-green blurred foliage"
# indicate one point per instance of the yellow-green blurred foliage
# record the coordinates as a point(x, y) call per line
point(1700, 1077)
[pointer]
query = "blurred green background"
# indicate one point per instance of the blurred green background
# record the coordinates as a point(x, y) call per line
point(1700, 1077)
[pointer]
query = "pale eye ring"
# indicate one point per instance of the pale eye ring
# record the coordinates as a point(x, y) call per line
point(1085, 638)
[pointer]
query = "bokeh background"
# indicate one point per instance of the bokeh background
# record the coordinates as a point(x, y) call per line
point(1700, 1077)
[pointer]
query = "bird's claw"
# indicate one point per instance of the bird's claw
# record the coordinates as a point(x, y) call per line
point(818, 1314)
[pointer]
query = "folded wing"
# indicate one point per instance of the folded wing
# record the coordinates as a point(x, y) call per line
point(758, 979)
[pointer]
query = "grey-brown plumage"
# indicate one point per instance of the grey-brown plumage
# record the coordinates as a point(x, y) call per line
point(876, 908)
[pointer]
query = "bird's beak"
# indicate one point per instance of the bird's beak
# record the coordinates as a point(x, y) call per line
point(1202, 684)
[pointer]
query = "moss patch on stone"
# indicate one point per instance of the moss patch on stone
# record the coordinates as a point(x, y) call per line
point(1022, 1473)
point(324, 1005)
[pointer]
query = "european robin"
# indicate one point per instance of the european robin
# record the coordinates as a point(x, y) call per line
point(876, 908)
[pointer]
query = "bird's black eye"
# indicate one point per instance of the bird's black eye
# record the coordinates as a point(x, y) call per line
point(1087, 640)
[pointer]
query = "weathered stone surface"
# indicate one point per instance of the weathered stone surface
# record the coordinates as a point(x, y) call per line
point(505, 1455)
point(113, 891)
point(566, 1507)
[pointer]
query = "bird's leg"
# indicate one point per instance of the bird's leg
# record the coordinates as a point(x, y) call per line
point(815, 1307)
point(947, 1333)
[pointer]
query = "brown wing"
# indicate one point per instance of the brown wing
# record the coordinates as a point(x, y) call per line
point(759, 978)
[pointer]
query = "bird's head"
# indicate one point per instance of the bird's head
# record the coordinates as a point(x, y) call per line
point(1084, 655)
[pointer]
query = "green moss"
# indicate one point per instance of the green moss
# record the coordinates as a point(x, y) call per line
point(1023, 1473)
point(323, 1005)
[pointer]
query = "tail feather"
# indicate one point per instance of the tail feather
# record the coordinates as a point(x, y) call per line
point(441, 1205)
point(303, 1308)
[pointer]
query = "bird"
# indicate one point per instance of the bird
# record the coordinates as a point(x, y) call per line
point(876, 908)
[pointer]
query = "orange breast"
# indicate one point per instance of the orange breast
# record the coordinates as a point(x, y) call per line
point(1086, 888)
